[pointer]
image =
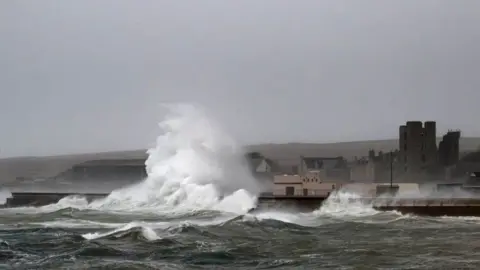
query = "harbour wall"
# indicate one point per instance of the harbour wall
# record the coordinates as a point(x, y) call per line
point(416, 206)
point(22, 199)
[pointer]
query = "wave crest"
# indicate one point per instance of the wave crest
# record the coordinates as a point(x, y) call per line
point(195, 165)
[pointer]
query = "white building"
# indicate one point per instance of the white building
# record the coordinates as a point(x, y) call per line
point(309, 184)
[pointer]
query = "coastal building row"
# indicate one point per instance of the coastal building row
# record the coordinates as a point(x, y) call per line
point(418, 159)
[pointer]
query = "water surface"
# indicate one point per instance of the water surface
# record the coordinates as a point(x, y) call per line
point(71, 235)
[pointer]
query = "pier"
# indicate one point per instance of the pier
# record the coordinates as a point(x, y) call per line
point(36, 199)
point(416, 206)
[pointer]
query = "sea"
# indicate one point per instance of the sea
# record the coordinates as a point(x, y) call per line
point(192, 212)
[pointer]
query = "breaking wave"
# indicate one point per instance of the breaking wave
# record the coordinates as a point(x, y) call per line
point(343, 203)
point(194, 166)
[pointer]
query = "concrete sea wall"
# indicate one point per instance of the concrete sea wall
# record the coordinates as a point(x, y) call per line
point(41, 199)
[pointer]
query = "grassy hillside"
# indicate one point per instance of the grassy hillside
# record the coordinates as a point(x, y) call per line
point(346, 149)
point(39, 167)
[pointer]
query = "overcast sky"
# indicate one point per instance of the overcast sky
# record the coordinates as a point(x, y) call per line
point(81, 76)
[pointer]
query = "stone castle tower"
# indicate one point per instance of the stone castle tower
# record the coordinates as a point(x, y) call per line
point(417, 145)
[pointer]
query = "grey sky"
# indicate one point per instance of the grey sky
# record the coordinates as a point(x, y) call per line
point(80, 76)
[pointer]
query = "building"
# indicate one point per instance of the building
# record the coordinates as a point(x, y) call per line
point(261, 165)
point(287, 185)
point(332, 168)
point(261, 169)
point(309, 184)
point(380, 166)
point(376, 168)
point(313, 184)
point(286, 166)
point(358, 170)
point(417, 146)
point(319, 176)
point(419, 156)
point(131, 169)
point(449, 149)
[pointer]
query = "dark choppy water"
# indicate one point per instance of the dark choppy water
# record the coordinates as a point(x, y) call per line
point(334, 238)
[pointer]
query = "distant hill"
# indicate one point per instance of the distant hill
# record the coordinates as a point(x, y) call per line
point(43, 167)
point(346, 149)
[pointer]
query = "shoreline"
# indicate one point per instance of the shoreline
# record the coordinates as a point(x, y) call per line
point(416, 206)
